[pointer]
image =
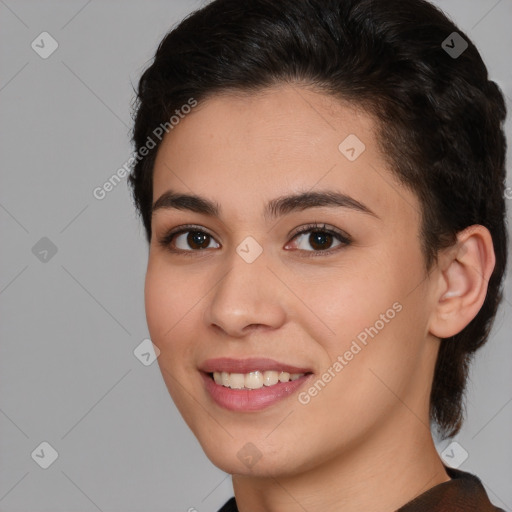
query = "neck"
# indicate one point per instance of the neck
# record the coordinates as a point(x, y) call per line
point(379, 475)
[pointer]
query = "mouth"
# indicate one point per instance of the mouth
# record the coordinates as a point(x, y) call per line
point(251, 384)
point(253, 380)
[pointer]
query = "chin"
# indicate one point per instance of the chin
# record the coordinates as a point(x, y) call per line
point(245, 458)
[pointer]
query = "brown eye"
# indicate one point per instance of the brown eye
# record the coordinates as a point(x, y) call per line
point(187, 239)
point(320, 239)
point(198, 240)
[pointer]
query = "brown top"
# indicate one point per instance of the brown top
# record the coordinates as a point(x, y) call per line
point(463, 493)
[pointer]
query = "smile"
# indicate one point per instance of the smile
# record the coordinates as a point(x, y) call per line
point(237, 385)
point(253, 380)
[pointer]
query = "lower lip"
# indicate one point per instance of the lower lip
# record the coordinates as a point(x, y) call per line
point(251, 399)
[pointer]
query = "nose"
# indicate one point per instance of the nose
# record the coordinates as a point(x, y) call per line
point(248, 297)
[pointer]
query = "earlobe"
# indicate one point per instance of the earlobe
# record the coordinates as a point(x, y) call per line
point(464, 271)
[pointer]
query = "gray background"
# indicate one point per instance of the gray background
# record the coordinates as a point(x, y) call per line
point(70, 324)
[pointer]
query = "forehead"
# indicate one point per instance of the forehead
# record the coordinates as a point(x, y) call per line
point(240, 149)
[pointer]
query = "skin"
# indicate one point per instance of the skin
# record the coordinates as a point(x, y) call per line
point(368, 428)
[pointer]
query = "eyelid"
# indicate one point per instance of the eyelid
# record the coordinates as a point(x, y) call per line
point(320, 226)
point(168, 236)
point(342, 237)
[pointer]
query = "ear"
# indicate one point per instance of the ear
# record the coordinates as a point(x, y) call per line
point(464, 271)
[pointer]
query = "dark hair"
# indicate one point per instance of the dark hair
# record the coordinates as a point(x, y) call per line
point(439, 116)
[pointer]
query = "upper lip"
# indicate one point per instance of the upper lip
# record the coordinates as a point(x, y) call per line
point(230, 365)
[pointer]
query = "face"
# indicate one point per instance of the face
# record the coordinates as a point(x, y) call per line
point(290, 330)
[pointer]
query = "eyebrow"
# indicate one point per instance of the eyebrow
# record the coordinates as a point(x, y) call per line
point(275, 208)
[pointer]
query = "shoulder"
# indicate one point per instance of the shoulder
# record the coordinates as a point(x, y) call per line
point(229, 506)
point(463, 493)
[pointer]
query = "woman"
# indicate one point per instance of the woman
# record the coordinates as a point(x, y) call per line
point(322, 187)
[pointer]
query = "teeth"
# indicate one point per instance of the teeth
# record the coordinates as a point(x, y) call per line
point(236, 380)
point(270, 378)
point(253, 380)
point(284, 377)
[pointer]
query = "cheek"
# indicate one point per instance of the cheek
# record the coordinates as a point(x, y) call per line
point(169, 297)
point(169, 302)
point(378, 306)
point(349, 301)
point(158, 300)
point(380, 320)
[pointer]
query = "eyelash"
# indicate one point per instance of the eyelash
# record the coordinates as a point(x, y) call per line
point(342, 237)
